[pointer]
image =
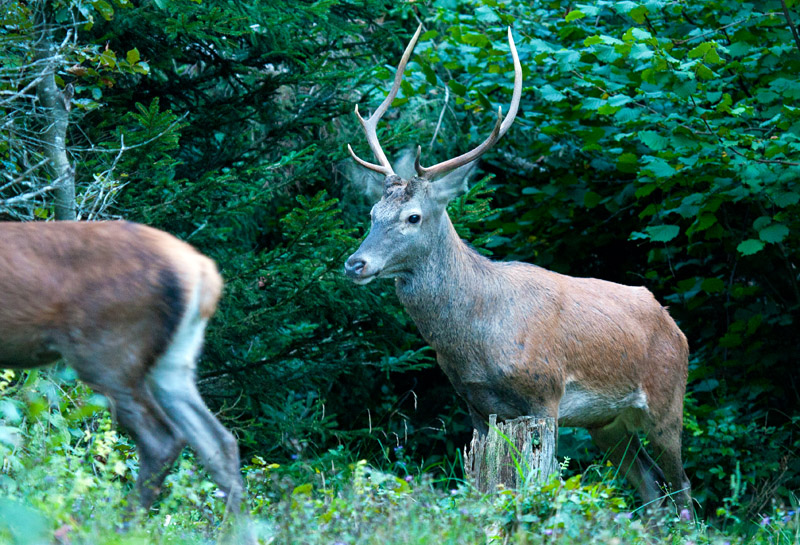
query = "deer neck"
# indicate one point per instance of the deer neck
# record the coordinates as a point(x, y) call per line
point(446, 284)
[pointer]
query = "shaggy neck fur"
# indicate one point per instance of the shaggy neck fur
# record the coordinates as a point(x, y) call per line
point(451, 282)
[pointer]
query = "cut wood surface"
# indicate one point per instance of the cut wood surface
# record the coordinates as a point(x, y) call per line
point(514, 453)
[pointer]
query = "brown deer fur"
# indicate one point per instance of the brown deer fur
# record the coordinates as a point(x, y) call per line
point(126, 305)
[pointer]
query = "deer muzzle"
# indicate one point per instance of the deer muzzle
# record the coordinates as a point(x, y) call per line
point(358, 270)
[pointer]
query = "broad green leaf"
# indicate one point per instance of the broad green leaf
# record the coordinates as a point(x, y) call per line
point(653, 140)
point(704, 221)
point(608, 109)
point(132, 56)
point(641, 52)
point(761, 222)
point(739, 49)
point(730, 340)
point(713, 57)
point(713, 285)
point(638, 14)
point(645, 190)
point(457, 87)
point(485, 14)
point(573, 15)
point(591, 199)
point(108, 58)
point(430, 75)
point(659, 167)
point(704, 72)
point(773, 233)
point(619, 100)
point(627, 162)
point(686, 88)
point(700, 50)
point(104, 9)
point(786, 198)
point(750, 246)
point(662, 233)
point(625, 6)
point(551, 94)
point(765, 95)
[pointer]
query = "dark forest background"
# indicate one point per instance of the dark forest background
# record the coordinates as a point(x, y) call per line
point(657, 144)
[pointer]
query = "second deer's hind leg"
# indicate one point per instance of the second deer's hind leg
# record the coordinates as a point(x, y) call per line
point(215, 445)
point(173, 383)
point(157, 440)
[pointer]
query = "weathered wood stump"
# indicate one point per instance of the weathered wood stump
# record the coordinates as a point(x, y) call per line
point(514, 453)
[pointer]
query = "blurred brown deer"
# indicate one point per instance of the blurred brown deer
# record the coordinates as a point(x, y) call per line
point(127, 306)
point(516, 339)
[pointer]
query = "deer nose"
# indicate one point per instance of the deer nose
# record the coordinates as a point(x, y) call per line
point(354, 266)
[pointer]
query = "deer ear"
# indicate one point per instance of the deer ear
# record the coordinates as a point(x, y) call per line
point(372, 183)
point(453, 184)
point(367, 182)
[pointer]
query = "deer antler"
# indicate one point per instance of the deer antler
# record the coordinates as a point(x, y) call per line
point(499, 130)
point(370, 126)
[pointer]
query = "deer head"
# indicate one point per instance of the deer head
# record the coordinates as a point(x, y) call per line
point(410, 217)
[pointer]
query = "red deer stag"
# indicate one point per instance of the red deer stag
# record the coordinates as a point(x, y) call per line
point(516, 339)
point(127, 306)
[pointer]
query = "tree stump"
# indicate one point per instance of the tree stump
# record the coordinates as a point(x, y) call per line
point(514, 453)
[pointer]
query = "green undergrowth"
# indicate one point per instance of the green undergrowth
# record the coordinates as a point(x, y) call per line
point(313, 502)
point(67, 478)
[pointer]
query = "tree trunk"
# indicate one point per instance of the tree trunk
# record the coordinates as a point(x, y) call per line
point(514, 453)
point(56, 106)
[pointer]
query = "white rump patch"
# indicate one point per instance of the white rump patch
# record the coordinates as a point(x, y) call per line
point(179, 361)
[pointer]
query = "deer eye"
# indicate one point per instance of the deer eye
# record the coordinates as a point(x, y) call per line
point(414, 218)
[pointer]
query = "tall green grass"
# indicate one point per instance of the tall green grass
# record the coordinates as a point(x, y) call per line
point(67, 478)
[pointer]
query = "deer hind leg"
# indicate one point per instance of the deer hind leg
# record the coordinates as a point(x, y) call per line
point(158, 441)
point(626, 452)
point(215, 445)
point(173, 383)
point(665, 440)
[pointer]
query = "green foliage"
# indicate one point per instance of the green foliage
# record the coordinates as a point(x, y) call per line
point(657, 144)
point(85, 70)
point(69, 480)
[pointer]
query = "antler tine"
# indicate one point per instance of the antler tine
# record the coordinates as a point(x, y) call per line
point(370, 125)
point(499, 130)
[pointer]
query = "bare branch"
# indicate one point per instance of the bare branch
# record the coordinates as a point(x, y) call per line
point(791, 24)
point(27, 196)
point(25, 174)
point(441, 116)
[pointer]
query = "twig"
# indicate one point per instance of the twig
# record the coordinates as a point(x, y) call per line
point(740, 154)
point(791, 24)
point(27, 196)
point(140, 144)
point(441, 116)
point(765, 161)
point(22, 176)
point(712, 32)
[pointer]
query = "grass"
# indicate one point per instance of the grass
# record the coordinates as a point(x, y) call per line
point(67, 478)
point(319, 502)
